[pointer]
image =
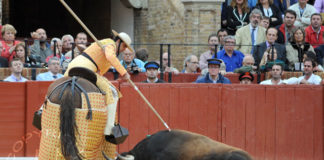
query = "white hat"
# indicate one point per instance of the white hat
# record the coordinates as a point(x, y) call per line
point(125, 38)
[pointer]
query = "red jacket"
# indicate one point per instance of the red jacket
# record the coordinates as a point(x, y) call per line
point(311, 36)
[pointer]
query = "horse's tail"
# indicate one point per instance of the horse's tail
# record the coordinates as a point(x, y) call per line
point(68, 127)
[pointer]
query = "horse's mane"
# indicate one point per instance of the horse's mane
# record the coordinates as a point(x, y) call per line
point(67, 93)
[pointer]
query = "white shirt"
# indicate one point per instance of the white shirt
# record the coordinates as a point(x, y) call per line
point(313, 79)
point(269, 82)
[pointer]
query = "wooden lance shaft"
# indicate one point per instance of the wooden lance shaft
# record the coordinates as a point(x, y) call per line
point(101, 46)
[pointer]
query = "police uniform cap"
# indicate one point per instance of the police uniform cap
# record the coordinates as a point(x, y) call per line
point(247, 75)
point(152, 64)
point(214, 61)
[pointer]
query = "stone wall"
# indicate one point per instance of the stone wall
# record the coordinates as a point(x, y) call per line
point(176, 21)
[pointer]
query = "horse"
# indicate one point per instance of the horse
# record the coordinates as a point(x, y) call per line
point(64, 95)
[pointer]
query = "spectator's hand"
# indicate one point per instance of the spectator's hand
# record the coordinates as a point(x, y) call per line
point(254, 67)
point(35, 35)
point(274, 19)
point(12, 48)
point(222, 72)
point(81, 47)
point(128, 69)
point(167, 69)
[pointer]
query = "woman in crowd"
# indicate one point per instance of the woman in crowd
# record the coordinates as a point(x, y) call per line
point(296, 48)
point(268, 9)
point(238, 15)
point(8, 33)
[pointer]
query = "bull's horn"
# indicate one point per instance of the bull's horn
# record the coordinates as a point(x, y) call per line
point(127, 157)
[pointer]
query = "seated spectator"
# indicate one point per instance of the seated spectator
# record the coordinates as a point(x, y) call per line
point(67, 41)
point(16, 68)
point(53, 71)
point(81, 41)
point(319, 54)
point(165, 61)
point(247, 65)
point(213, 75)
point(265, 22)
point(269, 58)
point(286, 27)
point(297, 45)
point(40, 47)
point(21, 53)
point(8, 43)
point(276, 73)
point(311, 55)
point(314, 32)
point(268, 9)
point(212, 41)
point(221, 34)
point(142, 54)
point(132, 64)
point(246, 78)
point(304, 12)
point(190, 64)
point(3, 60)
point(152, 73)
point(233, 59)
point(260, 49)
point(250, 35)
point(237, 15)
point(308, 77)
point(57, 50)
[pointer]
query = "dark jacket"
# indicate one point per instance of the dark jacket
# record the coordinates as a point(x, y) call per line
point(233, 22)
point(159, 81)
point(205, 79)
point(259, 50)
point(276, 13)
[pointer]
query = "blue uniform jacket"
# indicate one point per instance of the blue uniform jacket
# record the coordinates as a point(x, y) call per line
point(221, 79)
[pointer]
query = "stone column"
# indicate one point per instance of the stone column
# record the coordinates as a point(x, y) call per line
point(202, 17)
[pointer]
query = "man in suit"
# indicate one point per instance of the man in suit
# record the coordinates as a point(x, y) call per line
point(53, 71)
point(272, 35)
point(251, 34)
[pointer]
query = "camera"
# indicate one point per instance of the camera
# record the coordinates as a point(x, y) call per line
point(134, 68)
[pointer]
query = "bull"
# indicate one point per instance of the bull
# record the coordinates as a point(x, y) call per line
point(182, 145)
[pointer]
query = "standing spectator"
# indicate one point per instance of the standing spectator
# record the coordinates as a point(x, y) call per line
point(142, 54)
point(232, 58)
point(286, 27)
point(246, 78)
point(260, 49)
point(237, 17)
point(265, 22)
point(213, 75)
point(9, 43)
point(250, 35)
point(224, 13)
point(67, 41)
point(190, 64)
point(16, 68)
point(221, 34)
point(308, 77)
point(40, 47)
point(132, 64)
point(247, 65)
point(212, 41)
point(296, 48)
point(268, 9)
point(165, 62)
point(304, 12)
point(276, 73)
point(53, 71)
point(152, 73)
point(314, 32)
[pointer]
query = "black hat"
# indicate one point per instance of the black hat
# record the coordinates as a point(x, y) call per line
point(152, 64)
point(214, 61)
point(247, 75)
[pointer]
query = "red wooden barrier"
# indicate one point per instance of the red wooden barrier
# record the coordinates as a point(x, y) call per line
point(12, 121)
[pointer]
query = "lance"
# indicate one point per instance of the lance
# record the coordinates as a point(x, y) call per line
point(101, 46)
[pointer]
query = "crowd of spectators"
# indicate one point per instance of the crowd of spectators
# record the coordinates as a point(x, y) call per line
point(255, 36)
